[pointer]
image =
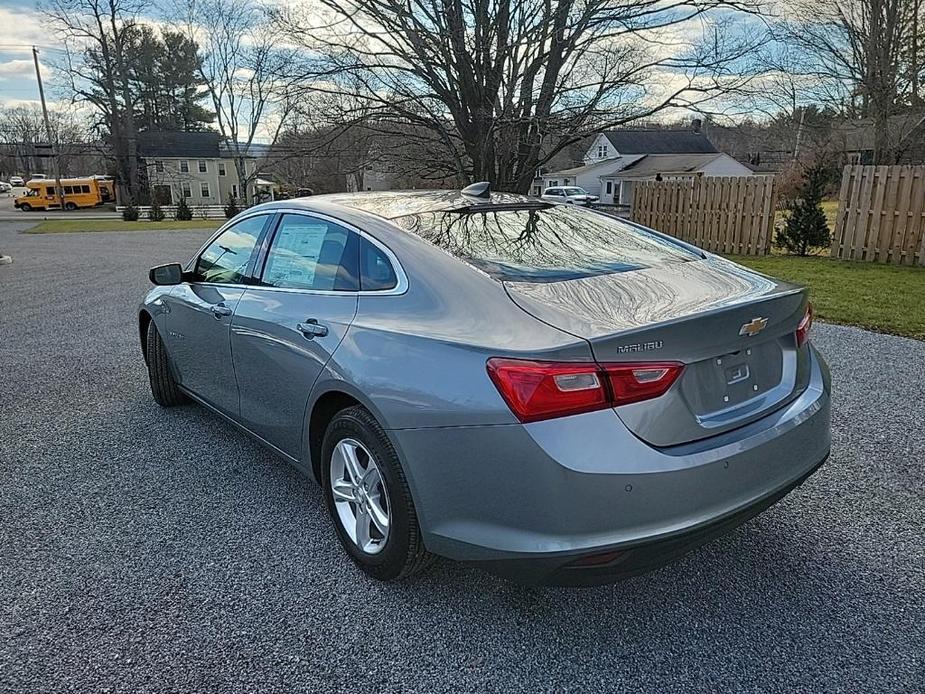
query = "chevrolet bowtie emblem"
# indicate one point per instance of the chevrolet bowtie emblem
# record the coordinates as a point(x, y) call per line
point(753, 327)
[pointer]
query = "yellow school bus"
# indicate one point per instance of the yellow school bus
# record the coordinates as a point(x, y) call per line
point(77, 192)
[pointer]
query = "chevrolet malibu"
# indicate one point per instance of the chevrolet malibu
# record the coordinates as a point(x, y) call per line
point(552, 393)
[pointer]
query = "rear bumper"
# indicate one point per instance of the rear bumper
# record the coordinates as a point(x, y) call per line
point(527, 501)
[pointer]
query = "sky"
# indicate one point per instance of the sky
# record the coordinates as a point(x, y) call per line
point(21, 26)
point(20, 29)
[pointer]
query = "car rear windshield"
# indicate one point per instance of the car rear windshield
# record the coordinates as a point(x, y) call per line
point(546, 245)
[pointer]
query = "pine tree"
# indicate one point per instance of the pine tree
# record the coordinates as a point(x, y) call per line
point(184, 213)
point(155, 212)
point(231, 209)
point(806, 226)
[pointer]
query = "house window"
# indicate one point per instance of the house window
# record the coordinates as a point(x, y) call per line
point(234, 190)
point(609, 187)
point(184, 166)
point(204, 190)
point(187, 191)
point(553, 184)
point(159, 166)
point(618, 192)
point(221, 168)
point(602, 151)
point(202, 167)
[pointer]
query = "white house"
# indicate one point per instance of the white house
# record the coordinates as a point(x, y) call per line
point(197, 166)
point(617, 159)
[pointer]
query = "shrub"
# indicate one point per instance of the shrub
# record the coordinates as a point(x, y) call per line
point(184, 213)
point(806, 226)
point(231, 209)
point(156, 212)
point(130, 213)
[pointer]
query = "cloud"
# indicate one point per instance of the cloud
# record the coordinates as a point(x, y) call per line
point(16, 68)
point(24, 27)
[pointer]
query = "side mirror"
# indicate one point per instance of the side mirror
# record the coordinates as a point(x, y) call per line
point(172, 273)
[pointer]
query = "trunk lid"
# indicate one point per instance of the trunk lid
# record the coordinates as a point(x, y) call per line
point(734, 329)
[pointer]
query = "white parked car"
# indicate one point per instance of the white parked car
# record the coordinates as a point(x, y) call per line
point(38, 177)
point(572, 195)
point(5, 187)
point(17, 181)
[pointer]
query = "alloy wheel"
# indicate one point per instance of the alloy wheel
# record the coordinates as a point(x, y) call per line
point(360, 497)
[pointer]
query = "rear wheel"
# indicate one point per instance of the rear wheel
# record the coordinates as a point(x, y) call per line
point(163, 385)
point(368, 498)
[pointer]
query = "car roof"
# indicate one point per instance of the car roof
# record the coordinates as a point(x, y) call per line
point(394, 204)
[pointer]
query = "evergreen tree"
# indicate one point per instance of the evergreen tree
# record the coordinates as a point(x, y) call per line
point(806, 226)
point(165, 72)
point(231, 209)
point(184, 213)
point(156, 212)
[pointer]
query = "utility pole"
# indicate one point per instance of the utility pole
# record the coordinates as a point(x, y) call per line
point(51, 139)
point(796, 147)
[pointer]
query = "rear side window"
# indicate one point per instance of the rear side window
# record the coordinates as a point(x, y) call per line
point(552, 244)
point(311, 253)
point(376, 271)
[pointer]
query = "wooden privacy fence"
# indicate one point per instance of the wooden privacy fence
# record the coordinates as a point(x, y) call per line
point(881, 215)
point(732, 214)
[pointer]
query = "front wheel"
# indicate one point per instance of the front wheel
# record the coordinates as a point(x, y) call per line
point(26, 207)
point(70, 206)
point(163, 385)
point(368, 498)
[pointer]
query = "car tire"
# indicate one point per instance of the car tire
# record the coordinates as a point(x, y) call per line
point(163, 385)
point(401, 552)
point(25, 207)
point(70, 206)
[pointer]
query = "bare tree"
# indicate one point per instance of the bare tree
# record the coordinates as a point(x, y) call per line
point(243, 71)
point(500, 86)
point(861, 57)
point(96, 35)
point(22, 127)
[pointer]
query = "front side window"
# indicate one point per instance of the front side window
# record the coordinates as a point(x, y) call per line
point(549, 244)
point(225, 260)
point(312, 253)
point(184, 166)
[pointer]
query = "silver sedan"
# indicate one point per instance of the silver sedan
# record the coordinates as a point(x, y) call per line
point(549, 392)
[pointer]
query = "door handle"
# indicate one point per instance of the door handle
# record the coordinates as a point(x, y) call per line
point(219, 310)
point(311, 328)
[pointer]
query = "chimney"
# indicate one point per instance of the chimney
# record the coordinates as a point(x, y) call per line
point(696, 125)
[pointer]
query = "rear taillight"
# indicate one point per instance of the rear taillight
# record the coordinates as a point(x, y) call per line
point(635, 382)
point(536, 390)
point(805, 324)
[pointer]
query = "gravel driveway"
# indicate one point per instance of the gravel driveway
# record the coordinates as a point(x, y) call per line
point(151, 550)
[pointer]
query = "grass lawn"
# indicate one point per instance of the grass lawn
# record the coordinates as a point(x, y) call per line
point(65, 226)
point(884, 298)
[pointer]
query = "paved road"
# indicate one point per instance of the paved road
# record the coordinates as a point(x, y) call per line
point(147, 550)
